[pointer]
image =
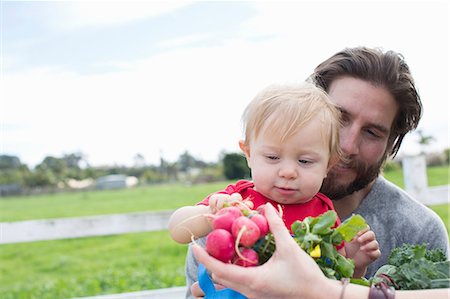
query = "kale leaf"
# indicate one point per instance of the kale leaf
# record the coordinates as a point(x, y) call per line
point(412, 267)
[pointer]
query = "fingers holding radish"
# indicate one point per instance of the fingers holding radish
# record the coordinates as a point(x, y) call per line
point(218, 201)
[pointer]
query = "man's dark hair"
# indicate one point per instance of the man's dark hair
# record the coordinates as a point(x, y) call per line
point(386, 69)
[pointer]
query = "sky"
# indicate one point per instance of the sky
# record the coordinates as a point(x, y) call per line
point(112, 80)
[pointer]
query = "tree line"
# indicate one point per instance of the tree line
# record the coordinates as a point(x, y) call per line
point(55, 172)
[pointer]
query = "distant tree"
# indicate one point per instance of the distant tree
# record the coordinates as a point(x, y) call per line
point(139, 161)
point(213, 173)
point(235, 166)
point(186, 161)
point(424, 140)
point(73, 160)
point(172, 171)
point(12, 171)
point(447, 155)
point(9, 162)
point(151, 175)
point(55, 165)
point(162, 164)
point(10, 176)
point(41, 177)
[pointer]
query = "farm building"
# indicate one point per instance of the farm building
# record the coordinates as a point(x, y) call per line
point(115, 181)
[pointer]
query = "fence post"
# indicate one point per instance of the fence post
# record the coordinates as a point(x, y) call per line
point(415, 177)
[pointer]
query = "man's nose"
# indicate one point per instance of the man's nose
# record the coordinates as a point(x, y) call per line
point(350, 140)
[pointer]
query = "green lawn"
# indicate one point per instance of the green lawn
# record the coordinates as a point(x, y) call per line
point(437, 176)
point(80, 267)
point(443, 211)
point(85, 203)
point(90, 266)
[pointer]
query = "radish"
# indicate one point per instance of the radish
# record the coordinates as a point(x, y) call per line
point(245, 231)
point(235, 211)
point(225, 217)
point(220, 244)
point(246, 257)
point(262, 224)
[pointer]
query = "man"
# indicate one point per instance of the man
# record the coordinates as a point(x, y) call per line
point(380, 105)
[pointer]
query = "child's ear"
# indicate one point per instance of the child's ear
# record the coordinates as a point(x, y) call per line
point(245, 148)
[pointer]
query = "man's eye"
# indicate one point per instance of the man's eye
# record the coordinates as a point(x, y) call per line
point(344, 119)
point(373, 134)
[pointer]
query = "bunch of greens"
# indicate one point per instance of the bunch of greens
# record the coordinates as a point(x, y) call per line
point(319, 239)
point(412, 267)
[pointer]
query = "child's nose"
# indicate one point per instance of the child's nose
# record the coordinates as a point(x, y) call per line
point(288, 171)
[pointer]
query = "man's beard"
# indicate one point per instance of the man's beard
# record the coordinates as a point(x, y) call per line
point(365, 174)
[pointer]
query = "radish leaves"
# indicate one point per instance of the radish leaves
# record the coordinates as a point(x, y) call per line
point(318, 231)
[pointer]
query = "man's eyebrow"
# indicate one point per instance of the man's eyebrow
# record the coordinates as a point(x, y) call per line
point(378, 127)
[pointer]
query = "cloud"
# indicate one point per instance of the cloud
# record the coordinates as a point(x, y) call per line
point(190, 95)
point(105, 13)
point(189, 98)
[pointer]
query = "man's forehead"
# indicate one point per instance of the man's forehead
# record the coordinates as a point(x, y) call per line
point(361, 99)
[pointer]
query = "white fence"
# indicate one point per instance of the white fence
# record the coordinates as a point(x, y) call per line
point(437, 195)
point(52, 229)
point(416, 182)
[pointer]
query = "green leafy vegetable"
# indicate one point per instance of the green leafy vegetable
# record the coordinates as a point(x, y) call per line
point(350, 227)
point(412, 267)
point(319, 239)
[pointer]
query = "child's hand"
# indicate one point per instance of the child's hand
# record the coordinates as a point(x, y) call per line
point(219, 201)
point(363, 249)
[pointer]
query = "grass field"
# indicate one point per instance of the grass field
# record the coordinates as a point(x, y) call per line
point(437, 176)
point(90, 266)
point(98, 202)
point(103, 265)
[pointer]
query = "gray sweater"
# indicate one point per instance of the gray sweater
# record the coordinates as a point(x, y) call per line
point(396, 218)
point(392, 214)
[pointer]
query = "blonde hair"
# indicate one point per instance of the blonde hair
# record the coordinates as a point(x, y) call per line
point(281, 110)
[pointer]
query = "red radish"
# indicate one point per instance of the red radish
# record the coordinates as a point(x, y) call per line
point(235, 211)
point(246, 257)
point(245, 231)
point(220, 244)
point(225, 217)
point(262, 224)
